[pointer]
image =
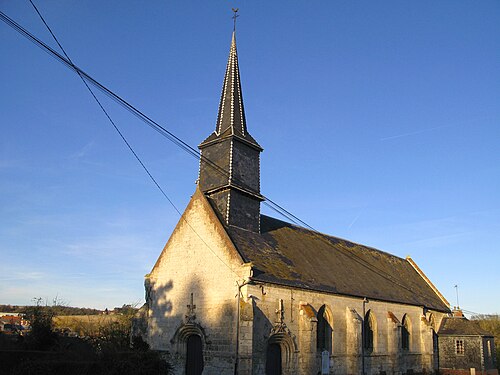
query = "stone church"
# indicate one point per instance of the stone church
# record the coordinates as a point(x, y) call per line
point(238, 292)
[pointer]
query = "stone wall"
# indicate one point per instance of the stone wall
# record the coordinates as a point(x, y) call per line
point(489, 350)
point(475, 355)
point(197, 260)
point(300, 309)
point(471, 358)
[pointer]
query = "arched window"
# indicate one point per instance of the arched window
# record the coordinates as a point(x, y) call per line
point(432, 323)
point(324, 334)
point(405, 333)
point(369, 330)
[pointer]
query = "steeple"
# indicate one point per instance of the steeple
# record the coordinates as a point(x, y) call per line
point(231, 117)
point(233, 184)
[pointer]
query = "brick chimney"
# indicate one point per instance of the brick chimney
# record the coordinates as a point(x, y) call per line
point(457, 312)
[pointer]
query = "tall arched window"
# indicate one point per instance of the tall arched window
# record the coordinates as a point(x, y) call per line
point(368, 331)
point(432, 322)
point(324, 334)
point(405, 333)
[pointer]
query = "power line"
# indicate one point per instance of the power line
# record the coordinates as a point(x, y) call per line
point(124, 139)
point(169, 135)
point(380, 272)
point(163, 131)
point(143, 117)
point(104, 110)
point(179, 142)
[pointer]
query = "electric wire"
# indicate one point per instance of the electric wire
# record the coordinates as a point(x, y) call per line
point(150, 122)
point(106, 112)
point(376, 269)
point(472, 313)
point(124, 139)
point(169, 135)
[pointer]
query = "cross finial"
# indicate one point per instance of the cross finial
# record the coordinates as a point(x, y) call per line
point(280, 312)
point(191, 315)
point(235, 10)
point(279, 325)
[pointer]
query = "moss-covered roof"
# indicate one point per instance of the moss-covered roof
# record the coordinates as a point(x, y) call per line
point(460, 326)
point(294, 256)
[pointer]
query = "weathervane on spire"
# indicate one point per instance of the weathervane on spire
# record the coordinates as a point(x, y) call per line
point(235, 10)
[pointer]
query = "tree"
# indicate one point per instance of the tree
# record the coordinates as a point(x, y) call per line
point(41, 336)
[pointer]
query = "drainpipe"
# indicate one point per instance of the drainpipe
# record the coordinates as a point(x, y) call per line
point(237, 349)
point(365, 301)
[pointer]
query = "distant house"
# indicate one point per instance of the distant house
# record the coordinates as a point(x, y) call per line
point(465, 348)
point(11, 323)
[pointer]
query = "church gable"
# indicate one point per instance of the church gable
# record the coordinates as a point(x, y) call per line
point(199, 239)
point(190, 292)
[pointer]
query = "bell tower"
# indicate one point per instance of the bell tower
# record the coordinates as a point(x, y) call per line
point(230, 157)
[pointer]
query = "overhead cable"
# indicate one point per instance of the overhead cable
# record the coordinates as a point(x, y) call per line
point(65, 60)
point(125, 140)
point(143, 117)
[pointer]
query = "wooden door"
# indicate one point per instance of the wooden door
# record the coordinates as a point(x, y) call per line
point(273, 359)
point(194, 356)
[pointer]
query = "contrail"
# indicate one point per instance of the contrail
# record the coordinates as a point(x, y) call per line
point(354, 220)
point(414, 133)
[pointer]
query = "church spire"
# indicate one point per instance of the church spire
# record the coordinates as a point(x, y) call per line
point(231, 118)
point(234, 192)
point(231, 115)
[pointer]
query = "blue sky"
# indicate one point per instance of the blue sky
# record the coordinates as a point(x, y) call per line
point(379, 122)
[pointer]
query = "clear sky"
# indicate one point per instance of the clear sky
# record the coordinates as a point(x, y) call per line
point(379, 120)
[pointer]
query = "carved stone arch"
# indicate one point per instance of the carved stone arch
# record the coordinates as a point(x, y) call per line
point(179, 340)
point(432, 320)
point(328, 313)
point(324, 329)
point(406, 330)
point(288, 350)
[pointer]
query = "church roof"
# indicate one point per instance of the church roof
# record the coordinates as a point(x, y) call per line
point(231, 119)
point(460, 326)
point(293, 256)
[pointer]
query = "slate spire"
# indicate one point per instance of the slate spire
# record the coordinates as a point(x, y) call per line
point(231, 115)
point(231, 118)
point(234, 192)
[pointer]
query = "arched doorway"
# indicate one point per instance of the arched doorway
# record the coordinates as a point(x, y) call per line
point(273, 359)
point(194, 355)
